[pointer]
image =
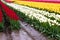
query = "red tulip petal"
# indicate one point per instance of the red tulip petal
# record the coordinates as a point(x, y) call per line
point(1, 16)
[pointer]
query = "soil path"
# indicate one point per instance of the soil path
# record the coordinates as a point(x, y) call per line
point(25, 33)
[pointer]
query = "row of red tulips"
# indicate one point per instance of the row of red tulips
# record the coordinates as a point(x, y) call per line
point(12, 16)
point(9, 12)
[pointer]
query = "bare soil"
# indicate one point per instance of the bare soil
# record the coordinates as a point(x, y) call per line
point(25, 33)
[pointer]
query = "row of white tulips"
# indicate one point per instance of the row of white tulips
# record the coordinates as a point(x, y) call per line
point(38, 14)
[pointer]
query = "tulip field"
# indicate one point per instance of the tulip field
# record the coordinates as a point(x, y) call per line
point(44, 17)
point(42, 20)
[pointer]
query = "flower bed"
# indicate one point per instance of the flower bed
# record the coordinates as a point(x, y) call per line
point(44, 21)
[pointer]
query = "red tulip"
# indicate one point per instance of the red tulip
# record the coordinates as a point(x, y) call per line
point(1, 16)
point(9, 12)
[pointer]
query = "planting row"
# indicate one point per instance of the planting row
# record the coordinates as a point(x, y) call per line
point(53, 17)
point(8, 17)
point(44, 5)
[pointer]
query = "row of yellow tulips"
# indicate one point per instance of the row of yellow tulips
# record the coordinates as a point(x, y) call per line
point(48, 6)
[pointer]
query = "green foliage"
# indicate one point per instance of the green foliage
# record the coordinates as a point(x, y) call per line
point(1, 26)
point(15, 25)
